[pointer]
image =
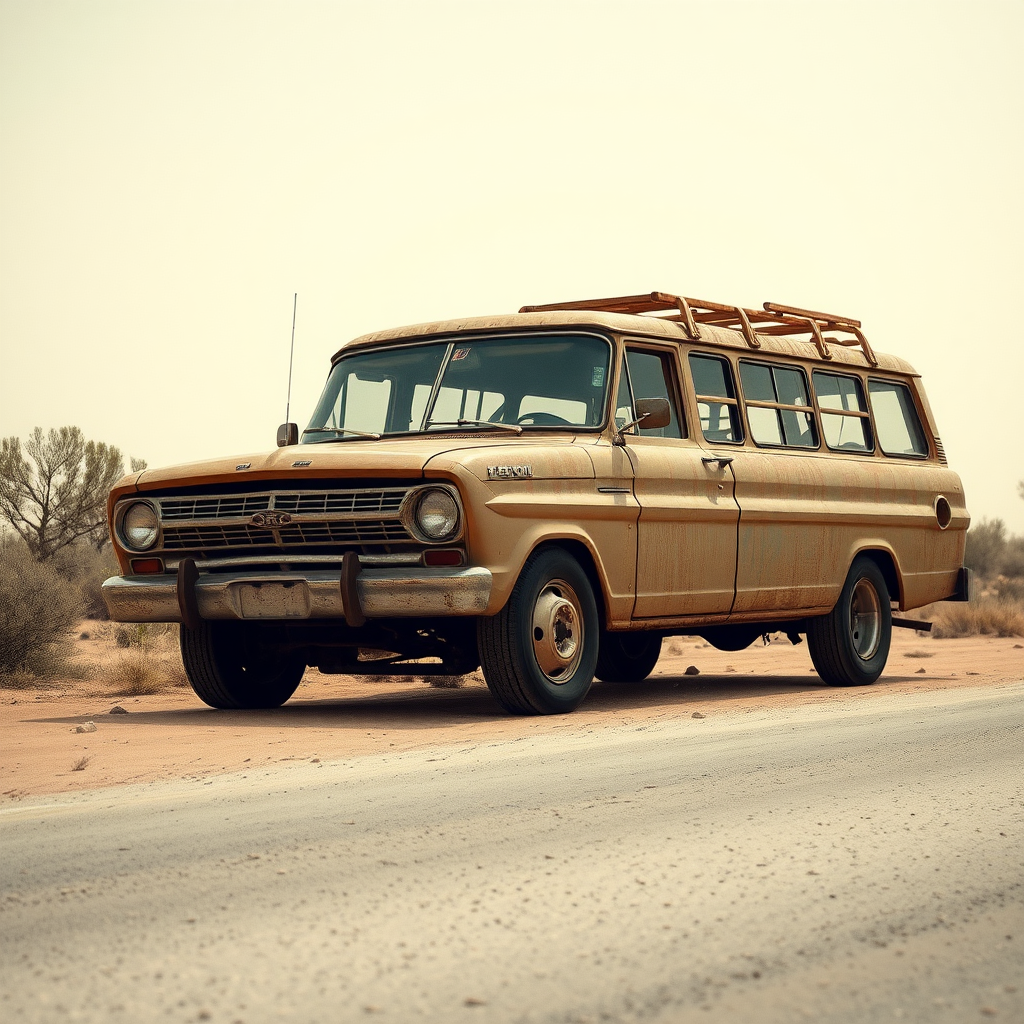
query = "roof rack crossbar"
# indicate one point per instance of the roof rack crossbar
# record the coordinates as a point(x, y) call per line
point(774, 319)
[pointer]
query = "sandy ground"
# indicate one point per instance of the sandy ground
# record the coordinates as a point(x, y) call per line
point(173, 735)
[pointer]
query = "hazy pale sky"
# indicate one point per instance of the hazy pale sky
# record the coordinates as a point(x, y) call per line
point(172, 172)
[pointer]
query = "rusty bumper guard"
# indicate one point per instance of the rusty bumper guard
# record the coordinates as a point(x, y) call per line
point(354, 594)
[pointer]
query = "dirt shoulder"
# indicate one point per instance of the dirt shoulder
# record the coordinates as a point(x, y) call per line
point(173, 735)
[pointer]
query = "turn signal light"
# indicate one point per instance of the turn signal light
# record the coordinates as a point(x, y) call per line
point(146, 566)
point(444, 556)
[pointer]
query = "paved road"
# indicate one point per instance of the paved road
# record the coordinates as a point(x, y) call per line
point(798, 864)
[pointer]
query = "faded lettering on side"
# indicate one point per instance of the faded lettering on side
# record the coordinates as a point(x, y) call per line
point(509, 472)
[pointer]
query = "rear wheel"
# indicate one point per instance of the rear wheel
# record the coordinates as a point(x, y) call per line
point(627, 657)
point(850, 645)
point(229, 668)
point(539, 652)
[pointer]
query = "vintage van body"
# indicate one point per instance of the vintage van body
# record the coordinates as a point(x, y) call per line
point(548, 494)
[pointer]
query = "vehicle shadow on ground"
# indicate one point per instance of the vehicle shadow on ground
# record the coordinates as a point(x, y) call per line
point(417, 706)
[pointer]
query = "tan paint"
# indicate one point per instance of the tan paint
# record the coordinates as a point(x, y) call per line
point(781, 526)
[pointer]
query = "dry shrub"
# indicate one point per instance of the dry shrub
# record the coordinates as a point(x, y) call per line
point(1003, 617)
point(38, 610)
point(148, 660)
point(86, 568)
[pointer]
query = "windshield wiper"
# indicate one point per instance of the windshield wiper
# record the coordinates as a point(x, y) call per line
point(514, 427)
point(340, 430)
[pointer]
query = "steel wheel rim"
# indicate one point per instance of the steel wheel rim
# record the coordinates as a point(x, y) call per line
point(865, 619)
point(557, 631)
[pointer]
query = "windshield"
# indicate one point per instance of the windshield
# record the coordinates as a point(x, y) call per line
point(529, 381)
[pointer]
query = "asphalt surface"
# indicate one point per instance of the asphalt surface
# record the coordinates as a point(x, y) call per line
point(859, 864)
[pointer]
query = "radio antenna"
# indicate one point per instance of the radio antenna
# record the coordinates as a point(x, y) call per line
point(291, 359)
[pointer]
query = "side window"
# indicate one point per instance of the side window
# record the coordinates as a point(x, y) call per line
point(778, 409)
point(647, 375)
point(899, 429)
point(716, 399)
point(844, 413)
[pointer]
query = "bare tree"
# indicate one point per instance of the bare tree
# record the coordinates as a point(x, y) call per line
point(58, 493)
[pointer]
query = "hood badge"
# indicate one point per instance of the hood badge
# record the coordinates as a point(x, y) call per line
point(243, 465)
point(303, 462)
point(509, 472)
point(270, 519)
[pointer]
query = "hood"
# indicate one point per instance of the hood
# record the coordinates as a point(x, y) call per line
point(400, 458)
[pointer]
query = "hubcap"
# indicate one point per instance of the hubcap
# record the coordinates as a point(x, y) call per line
point(557, 631)
point(865, 619)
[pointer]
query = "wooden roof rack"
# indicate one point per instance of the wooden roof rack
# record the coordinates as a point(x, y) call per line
point(772, 319)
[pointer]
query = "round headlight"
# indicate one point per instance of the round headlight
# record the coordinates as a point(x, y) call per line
point(437, 515)
point(139, 526)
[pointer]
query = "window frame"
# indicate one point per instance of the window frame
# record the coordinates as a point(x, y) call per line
point(809, 409)
point(866, 414)
point(917, 456)
point(734, 402)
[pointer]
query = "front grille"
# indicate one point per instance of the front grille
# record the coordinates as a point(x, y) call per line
point(226, 507)
point(383, 502)
point(184, 538)
point(320, 520)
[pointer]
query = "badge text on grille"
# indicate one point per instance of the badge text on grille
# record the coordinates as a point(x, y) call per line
point(509, 472)
point(271, 519)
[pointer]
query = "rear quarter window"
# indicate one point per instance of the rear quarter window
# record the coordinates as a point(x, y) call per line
point(896, 421)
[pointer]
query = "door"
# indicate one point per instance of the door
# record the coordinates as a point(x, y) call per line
point(686, 534)
point(792, 500)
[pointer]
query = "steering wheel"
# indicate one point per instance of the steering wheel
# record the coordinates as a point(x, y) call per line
point(543, 419)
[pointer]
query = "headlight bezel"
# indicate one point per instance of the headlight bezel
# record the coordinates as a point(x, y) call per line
point(122, 526)
point(411, 514)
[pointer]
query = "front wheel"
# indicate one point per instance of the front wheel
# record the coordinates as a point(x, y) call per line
point(850, 645)
point(229, 668)
point(539, 652)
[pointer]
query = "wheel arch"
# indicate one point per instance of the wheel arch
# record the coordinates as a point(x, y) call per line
point(889, 568)
point(588, 563)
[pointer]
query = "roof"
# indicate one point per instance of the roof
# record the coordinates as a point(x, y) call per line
point(752, 340)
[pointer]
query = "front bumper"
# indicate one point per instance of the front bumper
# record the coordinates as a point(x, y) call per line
point(383, 593)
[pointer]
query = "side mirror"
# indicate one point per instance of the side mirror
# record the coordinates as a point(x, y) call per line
point(288, 433)
point(653, 412)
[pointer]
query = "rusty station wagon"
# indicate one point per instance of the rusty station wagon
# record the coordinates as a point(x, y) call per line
point(547, 495)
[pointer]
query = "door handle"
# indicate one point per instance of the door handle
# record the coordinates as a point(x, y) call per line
point(722, 460)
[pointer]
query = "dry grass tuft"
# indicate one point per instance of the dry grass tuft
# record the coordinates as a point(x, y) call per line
point(447, 682)
point(134, 674)
point(80, 764)
point(1002, 617)
point(145, 660)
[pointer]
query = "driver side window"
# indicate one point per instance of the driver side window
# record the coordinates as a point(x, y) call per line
point(646, 375)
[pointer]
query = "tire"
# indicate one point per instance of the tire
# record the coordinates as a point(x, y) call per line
point(627, 657)
point(229, 668)
point(850, 645)
point(539, 652)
